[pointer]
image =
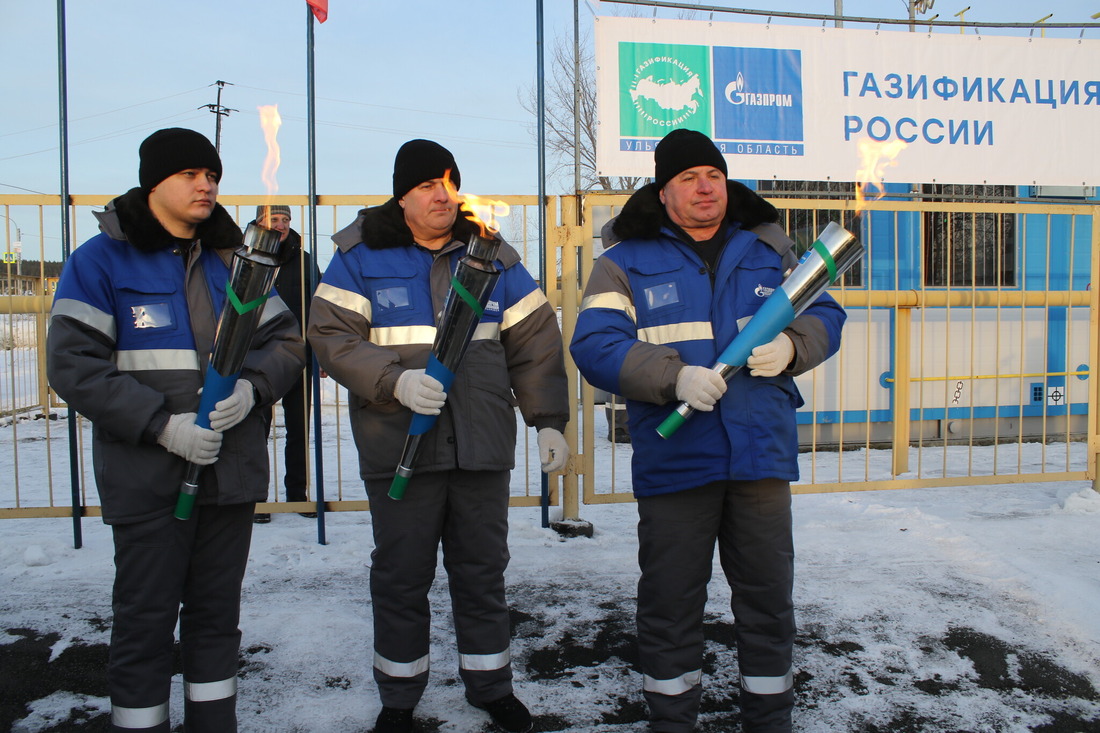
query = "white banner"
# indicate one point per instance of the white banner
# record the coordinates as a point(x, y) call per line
point(792, 102)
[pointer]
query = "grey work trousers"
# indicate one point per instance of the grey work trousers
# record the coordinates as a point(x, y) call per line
point(466, 511)
point(751, 522)
point(191, 570)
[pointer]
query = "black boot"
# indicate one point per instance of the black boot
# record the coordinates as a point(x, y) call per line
point(394, 720)
point(507, 712)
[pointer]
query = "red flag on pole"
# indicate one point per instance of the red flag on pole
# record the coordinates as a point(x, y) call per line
point(320, 9)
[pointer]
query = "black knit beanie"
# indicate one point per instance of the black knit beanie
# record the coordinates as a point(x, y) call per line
point(422, 160)
point(683, 149)
point(167, 152)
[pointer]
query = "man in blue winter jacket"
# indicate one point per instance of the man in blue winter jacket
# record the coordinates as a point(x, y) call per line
point(131, 329)
point(696, 256)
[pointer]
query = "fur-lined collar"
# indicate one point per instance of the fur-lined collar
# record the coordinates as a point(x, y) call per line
point(129, 218)
point(384, 226)
point(643, 215)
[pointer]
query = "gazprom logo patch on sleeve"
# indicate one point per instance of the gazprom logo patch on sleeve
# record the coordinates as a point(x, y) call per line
point(757, 96)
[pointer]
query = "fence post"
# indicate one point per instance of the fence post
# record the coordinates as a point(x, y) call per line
point(903, 320)
point(1092, 464)
point(564, 246)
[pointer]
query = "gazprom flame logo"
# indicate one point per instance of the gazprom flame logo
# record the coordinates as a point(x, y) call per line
point(736, 94)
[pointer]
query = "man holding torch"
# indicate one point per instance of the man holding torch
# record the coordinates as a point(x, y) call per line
point(372, 325)
point(697, 256)
point(131, 330)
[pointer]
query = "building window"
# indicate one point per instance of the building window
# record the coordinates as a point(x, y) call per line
point(968, 249)
point(803, 225)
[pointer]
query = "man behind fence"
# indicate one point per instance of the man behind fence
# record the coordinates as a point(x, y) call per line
point(133, 321)
point(697, 256)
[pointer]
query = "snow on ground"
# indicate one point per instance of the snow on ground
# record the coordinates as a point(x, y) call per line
point(969, 608)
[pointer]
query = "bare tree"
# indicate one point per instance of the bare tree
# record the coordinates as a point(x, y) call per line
point(561, 105)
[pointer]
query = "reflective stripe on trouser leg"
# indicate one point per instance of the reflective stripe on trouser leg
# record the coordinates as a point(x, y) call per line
point(767, 704)
point(485, 662)
point(475, 555)
point(675, 686)
point(391, 668)
point(406, 542)
point(210, 706)
point(757, 554)
point(673, 713)
point(209, 691)
point(676, 535)
point(153, 718)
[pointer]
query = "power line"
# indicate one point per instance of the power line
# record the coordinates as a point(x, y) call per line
point(433, 112)
point(101, 114)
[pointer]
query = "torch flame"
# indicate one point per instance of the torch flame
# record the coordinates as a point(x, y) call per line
point(875, 157)
point(481, 211)
point(270, 122)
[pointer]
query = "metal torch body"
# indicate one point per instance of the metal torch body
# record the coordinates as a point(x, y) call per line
point(471, 285)
point(255, 265)
point(830, 256)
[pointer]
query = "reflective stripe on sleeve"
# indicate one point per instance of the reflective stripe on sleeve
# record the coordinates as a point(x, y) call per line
point(403, 336)
point(675, 686)
point(611, 301)
point(485, 662)
point(139, 718)
point(210, 691)
point(487, 332)
point(676, 332)
point(401, 669)
point(345, 299)
point(91, 316)
point(140, 360)
point(524, 307)
point(272, 307)
point(768, 685)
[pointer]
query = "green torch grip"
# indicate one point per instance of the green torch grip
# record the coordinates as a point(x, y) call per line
point(184, 504)
point(671, 424)
point(397, 488)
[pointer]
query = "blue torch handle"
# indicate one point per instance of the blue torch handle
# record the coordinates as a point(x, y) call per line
point(423, 423)
point(774, 315)
point(214, 389)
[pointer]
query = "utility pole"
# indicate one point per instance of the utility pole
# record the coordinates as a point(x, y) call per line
point(220, 111)
point(915, 6)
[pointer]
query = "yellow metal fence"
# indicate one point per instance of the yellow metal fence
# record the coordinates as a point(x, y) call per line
point(966, 358)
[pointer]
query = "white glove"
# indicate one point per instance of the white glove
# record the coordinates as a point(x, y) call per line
point(770, 359)
point(419, 392)
point(700, 387)
point(182, 437)
point(553, 450)
point(233, 408)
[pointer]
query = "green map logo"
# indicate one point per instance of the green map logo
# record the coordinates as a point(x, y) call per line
point(663, 87)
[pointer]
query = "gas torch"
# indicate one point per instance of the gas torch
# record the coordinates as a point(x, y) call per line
point(255, 265)
point(471, 286)
point(831, 255)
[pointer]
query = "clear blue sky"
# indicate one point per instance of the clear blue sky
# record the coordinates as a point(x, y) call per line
point(385, 72)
